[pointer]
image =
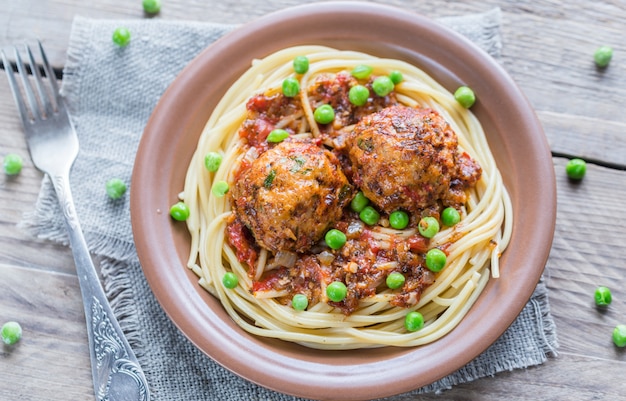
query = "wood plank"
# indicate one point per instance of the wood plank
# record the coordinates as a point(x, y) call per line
point(597, 140)
point(51, 362)
point(579, 104)
point(588, 251)
point(569, 377)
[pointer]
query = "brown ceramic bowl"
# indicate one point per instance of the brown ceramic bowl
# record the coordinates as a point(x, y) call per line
point(514, 134)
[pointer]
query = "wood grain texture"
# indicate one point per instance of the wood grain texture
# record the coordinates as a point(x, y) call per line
point(547, 49)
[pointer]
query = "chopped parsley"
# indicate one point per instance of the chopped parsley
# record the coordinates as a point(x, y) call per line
point(365, 145)
point(269, 179)
point(299, 160)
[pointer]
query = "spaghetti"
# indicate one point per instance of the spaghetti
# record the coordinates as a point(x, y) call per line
point(284, 195)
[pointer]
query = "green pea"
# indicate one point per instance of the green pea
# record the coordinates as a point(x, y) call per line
point(576, 169)
point(299, 302)
point(396, 77)
point(358, 95)
point(230, 280)
point(277, 135)
point(212, 161)
point(428, 226)
point(151, 6)
point(324, 114)
point(435, 260)
point(450, 216)
point(220, 188)
point(11, 333)
point(336, 291)
point(335, 238)
point(413, 321)
point(619, 335)
point(382, 86)
point(301, 64)
point(180, 211)
point(603, 296)
point(291, 87)
point(115, 188)
point(121, 36)
point(399, 219)
point(465, 96)
point(369, 215)
point(359, 202)
point(12, 164)
point(395, 280)
point(361, 71)
point(602, 56)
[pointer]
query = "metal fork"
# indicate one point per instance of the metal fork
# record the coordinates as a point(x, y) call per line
point(53, 147)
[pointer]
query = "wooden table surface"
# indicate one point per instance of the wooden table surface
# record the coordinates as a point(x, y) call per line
point(548, 49)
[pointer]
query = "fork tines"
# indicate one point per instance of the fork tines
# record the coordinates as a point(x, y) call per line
point(46, 103)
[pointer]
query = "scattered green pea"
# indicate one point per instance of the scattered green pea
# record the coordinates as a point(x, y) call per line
point(324, 114)
point(336, 291)
point(212, 161)
point(220, 188)
point(395, 280)
point(413, 321)
point(115, 188)
point(450, 216)
point(619, 335)
point(576, 169)
point(358, 95)
point(301, 64)
point(361, 71)
point(121, 36)
point(603, 55)
point(465, 96)
point(428, 226)
point(11, 333)
point(359, 202)
point(12, 164)
point(603, 296)
point(369, 215)
point(435, 260)
point(291, 87)
point(335, 238)
point(277, 135)
point(180, 211)
point(382, 85)
point(396, 77)
point(151, 6)
point(399, 219)
point(230, 280)
point(299, 302)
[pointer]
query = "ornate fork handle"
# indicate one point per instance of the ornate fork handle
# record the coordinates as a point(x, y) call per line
point(112, 359)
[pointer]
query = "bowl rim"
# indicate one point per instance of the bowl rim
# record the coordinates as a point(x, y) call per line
point(289, 368)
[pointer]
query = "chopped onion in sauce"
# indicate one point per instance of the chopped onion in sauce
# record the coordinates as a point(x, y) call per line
point(282, 258)
point(325, 258)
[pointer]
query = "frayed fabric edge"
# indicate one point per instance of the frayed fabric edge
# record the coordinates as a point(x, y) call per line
point(119, 290)
point(547, 326)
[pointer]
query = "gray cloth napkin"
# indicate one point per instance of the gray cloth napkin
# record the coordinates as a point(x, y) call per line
point(111, 92)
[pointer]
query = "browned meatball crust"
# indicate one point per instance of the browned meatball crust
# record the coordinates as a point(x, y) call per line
point(290, 195)
point(408, 158)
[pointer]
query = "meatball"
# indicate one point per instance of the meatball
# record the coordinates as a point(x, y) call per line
point(408, 158)
point(290, 195)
